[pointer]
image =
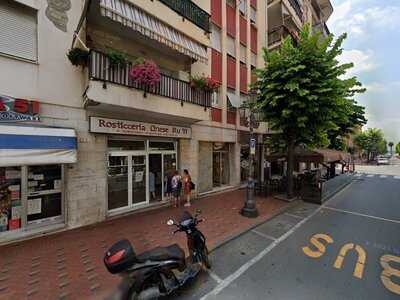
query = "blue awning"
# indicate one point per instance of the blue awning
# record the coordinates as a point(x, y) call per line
point(28, 145)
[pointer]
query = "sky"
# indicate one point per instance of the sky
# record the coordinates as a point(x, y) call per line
point(373, 45)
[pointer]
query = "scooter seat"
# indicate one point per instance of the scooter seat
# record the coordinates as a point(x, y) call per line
point(163, 253)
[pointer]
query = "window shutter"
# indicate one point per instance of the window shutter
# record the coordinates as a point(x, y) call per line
point(18, 30)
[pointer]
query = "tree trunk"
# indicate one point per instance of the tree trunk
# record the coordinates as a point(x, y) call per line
point(290, 167)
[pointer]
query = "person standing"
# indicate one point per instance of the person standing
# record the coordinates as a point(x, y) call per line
point(187, 186)
point(176, 185)
point(168, 184)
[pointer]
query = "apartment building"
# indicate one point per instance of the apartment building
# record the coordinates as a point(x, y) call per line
point(80, 144)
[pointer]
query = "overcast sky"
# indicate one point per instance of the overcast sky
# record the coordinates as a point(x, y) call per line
point(373, 45)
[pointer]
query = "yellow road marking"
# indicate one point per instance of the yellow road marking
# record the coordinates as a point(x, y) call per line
point(388, 272)
point(316, 243)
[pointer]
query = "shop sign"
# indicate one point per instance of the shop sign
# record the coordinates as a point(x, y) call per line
point(113, 126)
point(12, 109)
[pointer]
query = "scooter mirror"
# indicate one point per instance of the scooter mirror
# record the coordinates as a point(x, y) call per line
point(170, 222)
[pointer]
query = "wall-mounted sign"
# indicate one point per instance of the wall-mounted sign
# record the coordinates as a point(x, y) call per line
point(12, 109)
point(113, 126)
point(253, 146)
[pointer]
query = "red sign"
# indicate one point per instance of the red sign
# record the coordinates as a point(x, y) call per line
point(12, 109)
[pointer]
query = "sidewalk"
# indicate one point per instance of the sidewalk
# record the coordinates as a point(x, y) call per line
point(69, 265)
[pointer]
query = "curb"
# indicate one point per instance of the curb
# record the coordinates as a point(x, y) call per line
point(235, 236)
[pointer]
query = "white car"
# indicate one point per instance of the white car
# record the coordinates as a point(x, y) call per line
point(382, 160)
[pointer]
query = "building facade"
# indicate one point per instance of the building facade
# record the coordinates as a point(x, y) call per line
point(80, 144)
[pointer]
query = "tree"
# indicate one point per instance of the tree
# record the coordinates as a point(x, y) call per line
point(391, 148)
point(372, 142)
point(302, 93)
point(397, 149)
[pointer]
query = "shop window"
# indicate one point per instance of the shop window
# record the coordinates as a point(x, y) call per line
point(18, 30)
point(10, 198)
point(39, 203)
point(44, 193)
point(162, 145)
point(121, 145)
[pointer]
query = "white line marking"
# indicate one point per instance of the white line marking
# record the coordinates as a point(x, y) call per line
point(362, 215)
point(214, 276)
point(370, 175)
point(264, 235)
point(228, 280)
point(294, 216)
point(383, 176)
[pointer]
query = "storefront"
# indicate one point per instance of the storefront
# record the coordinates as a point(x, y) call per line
point(32, 162)
point(141, 158)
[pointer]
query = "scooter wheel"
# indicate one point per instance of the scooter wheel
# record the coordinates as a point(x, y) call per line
point(206, 259)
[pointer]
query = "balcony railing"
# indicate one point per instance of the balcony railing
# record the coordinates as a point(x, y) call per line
point(100, 69)
point(297, 8)
point(279, 33)
point(190, 11)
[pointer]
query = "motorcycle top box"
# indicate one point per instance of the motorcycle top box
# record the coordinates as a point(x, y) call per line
point(119, 257)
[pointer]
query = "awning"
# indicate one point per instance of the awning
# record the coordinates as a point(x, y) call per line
point(233, 99)
point(27, 145)
point(132, 16)
point(314, 156)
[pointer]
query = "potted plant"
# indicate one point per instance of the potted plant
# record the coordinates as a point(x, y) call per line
point(145, 73)
point(204, 83)
point(78, 57)
point(116, 58)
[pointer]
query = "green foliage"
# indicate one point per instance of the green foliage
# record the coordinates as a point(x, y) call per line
point(302, 93)
point(398, 148)
point(78, 57)
point(116, 58)
point(372, 142)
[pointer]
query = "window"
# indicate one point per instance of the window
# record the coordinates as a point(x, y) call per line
point(18, 30)
point(243, 54)
point(215, 38)
point(120, 145)
point(253, 14)
point(242, 7)
point(161, 145)
point(231, 3)
point(230, 46)
point(215, 98)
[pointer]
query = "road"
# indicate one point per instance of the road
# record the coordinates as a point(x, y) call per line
point(348, 248)
point(392, 169)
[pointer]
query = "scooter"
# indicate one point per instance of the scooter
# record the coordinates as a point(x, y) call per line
point(160, 271)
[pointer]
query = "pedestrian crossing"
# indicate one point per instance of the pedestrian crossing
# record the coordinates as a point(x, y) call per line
point(383, 176)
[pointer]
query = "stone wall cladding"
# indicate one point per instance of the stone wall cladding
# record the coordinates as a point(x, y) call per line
point(205, 181)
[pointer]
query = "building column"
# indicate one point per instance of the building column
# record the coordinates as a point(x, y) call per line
point(234, 167)
point(189, 159)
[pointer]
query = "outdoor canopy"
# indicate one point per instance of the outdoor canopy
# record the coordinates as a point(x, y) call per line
point(315, 156)
point(28, 145)
point(132, 16)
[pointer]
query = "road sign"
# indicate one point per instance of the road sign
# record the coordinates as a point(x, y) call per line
point(253, 146)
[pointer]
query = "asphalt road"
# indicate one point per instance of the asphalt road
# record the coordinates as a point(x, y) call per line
point(349, 248)
point(392, 169)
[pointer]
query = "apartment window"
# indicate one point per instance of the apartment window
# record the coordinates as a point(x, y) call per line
point(215, 98)
point(18, 30)
point(253, 59)
point(242, 7)
point(253, 15)
point(230, 46)
point(216, 38)
point(243, 54)
point(230, 20)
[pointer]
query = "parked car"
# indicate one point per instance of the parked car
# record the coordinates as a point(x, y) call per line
point(382, 160)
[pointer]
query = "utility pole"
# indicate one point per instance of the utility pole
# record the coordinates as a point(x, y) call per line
point(249, 210)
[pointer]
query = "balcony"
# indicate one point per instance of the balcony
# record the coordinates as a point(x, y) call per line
point(190, 11)
point(172, 88)
point(297, 8)
point(279, 33)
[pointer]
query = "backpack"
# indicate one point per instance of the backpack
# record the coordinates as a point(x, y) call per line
point(192, 185)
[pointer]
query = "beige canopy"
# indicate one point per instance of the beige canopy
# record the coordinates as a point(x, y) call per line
point(314, 156)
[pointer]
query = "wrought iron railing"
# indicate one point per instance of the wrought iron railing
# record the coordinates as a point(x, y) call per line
point(297, 8)
point(190, 11)
point(277, 34)
point(101, 70)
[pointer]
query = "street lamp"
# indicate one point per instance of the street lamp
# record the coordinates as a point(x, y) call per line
point(249, 210)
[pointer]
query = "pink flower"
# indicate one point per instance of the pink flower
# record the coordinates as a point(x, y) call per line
point(146, 73)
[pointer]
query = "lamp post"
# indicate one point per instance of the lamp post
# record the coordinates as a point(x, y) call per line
point(249, 210)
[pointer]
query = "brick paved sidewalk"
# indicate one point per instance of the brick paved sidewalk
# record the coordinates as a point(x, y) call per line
point(69, 265)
